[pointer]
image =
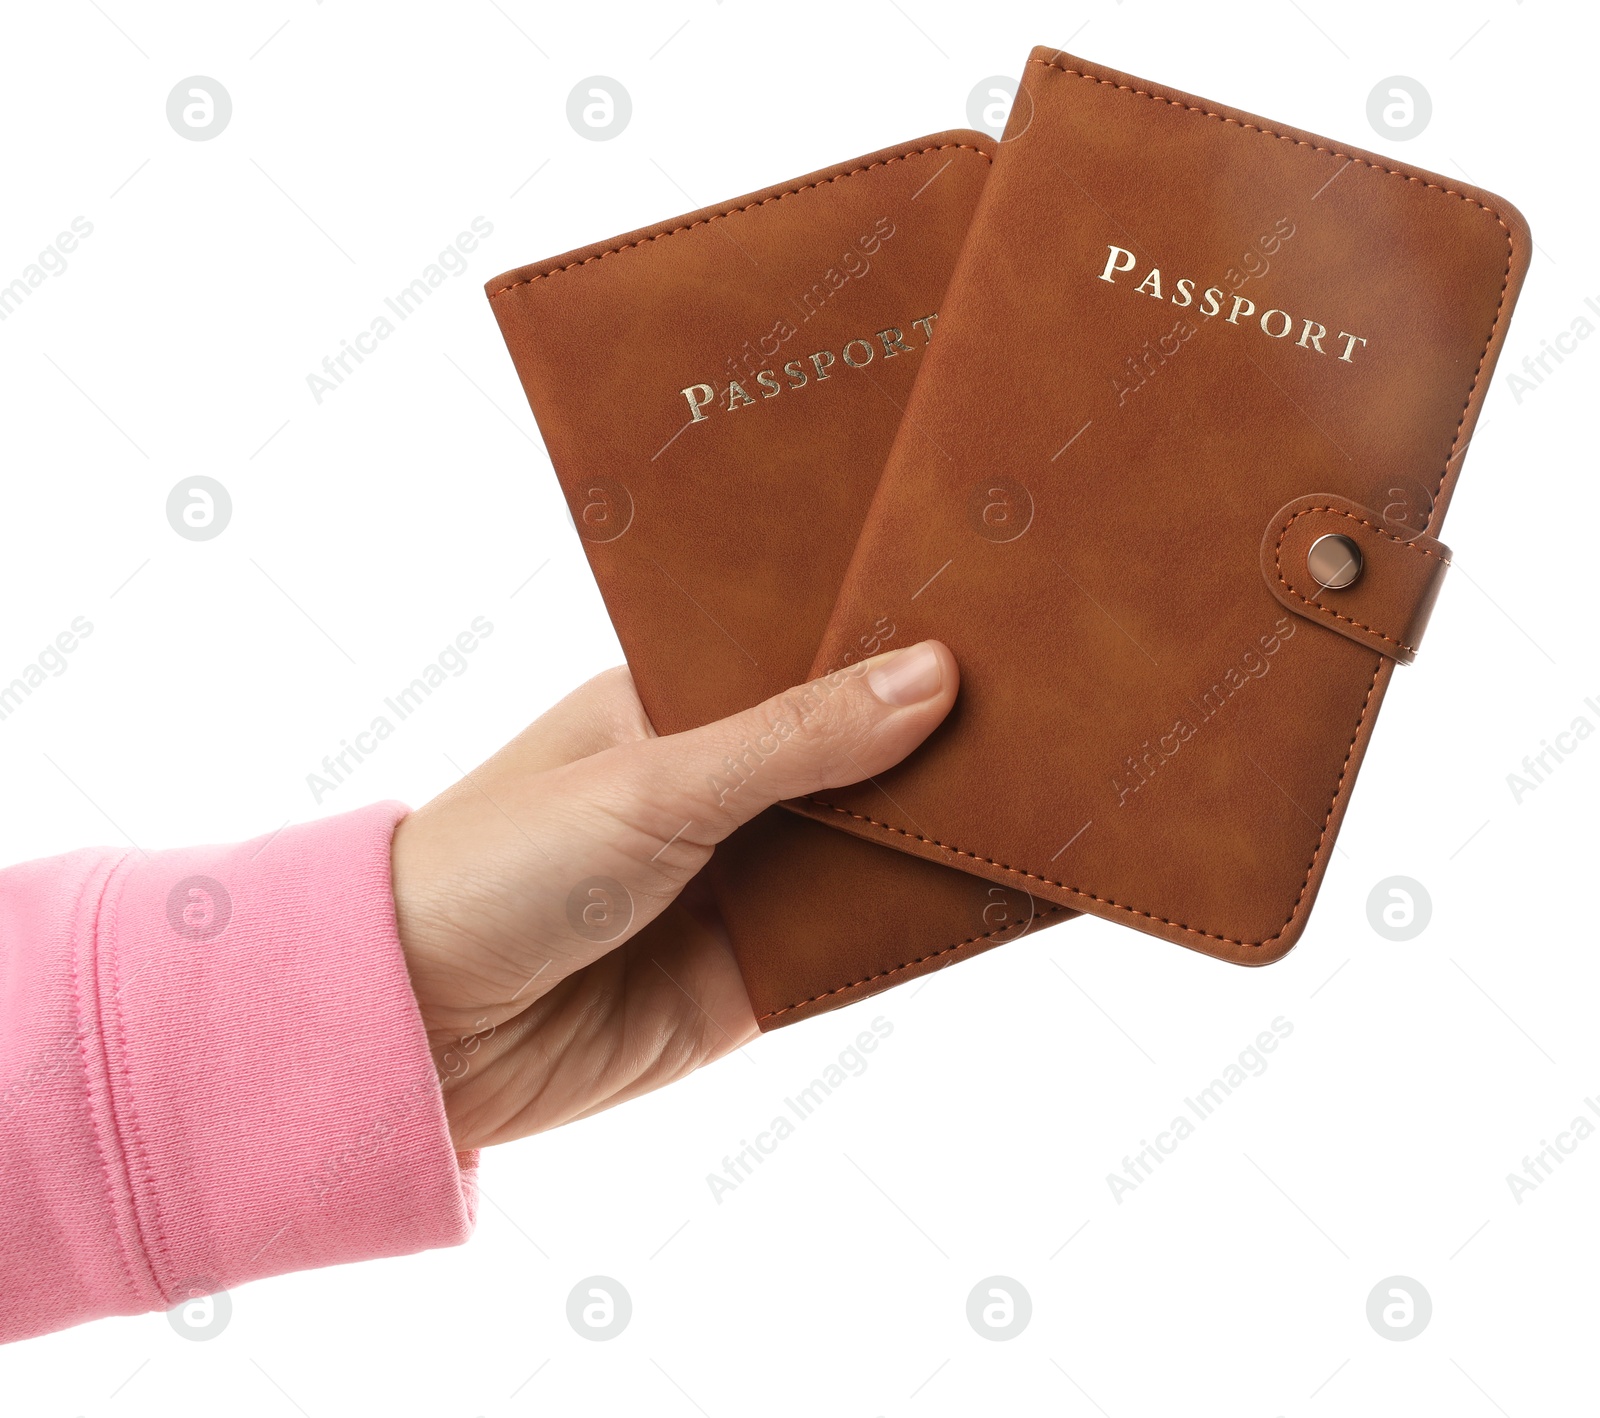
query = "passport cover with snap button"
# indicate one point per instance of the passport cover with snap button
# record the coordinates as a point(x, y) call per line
point(717, 394)
point(1220, 375)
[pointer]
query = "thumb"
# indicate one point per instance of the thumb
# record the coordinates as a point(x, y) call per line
point(840, 728)
point(516, 879)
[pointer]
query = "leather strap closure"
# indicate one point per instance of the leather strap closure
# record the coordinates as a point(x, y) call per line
point(1377, 586)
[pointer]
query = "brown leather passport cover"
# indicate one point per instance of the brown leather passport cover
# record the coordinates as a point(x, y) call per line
point(718, 394)
point(1182, 347)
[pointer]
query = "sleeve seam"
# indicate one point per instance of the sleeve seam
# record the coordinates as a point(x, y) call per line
point(94, 948)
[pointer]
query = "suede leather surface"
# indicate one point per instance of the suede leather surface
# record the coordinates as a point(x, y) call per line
point(719, 530)
point(1147, 730)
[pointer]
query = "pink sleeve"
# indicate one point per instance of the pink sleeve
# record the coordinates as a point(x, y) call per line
point(212, 1069)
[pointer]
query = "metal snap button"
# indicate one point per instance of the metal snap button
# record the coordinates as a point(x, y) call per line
point(1334, 562)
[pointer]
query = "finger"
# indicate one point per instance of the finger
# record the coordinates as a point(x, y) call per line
point(599, 714)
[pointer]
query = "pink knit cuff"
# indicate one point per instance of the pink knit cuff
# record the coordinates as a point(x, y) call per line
point(249, 1084)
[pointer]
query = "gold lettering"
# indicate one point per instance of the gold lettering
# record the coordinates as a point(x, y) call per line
point(1288, 323)
point(1275, 323)
point(856, 353)
point(706, 394)
point(857, 363)
point(1350, 343)
point(892, 342)
point(1114, 262)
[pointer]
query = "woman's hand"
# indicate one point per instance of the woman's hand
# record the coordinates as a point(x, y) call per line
point(557, 967)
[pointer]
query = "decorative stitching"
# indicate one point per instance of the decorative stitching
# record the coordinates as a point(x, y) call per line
point(1135, 910)
point(98, 1024)
point(1444, 472)
point(157, 1242)
point(1277, 565)
point(706, 221)
point(748, 207)
point(1268, 132)
point(1050, 910)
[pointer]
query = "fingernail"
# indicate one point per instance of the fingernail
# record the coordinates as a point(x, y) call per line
point(907, 677)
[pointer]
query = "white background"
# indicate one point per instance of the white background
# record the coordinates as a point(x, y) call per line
point(369, 530)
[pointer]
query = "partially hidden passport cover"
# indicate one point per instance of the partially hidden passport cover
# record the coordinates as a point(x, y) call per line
point(718, 394)
point(1169, 485)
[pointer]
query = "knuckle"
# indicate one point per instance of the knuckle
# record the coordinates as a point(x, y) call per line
point(823, 709)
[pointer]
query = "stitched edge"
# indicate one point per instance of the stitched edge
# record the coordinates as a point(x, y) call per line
point(1277, 566)
point(1270, 133)
point(155, 1232)
point(86, 936)
point(1135, 910)
point(748, 207)
point(706, 221)
point(1049, 910)
point(1366, 703)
